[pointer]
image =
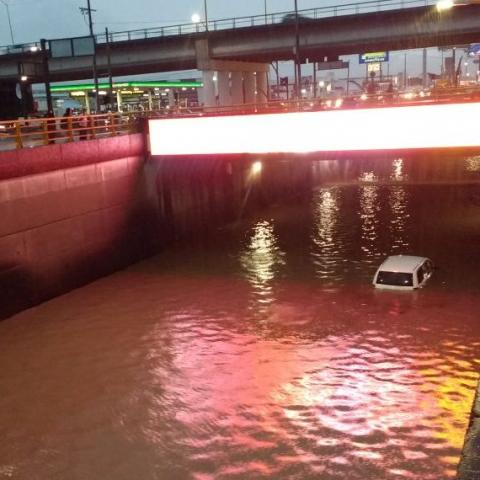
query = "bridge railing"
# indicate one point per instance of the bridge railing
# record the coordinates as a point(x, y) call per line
point(353, 101)
point(240, 22)
point(31, 47)
point(260, 20)
point(34, 132)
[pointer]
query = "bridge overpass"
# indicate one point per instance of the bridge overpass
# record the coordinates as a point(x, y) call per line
point(337, 32)
point(234, 55)
point(396, 128)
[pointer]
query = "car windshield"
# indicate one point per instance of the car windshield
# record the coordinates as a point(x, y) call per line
point(399, 279)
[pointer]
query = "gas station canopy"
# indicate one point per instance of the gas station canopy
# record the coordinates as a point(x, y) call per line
point(127, 85)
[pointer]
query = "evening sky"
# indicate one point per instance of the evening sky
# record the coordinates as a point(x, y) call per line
point(35, 19)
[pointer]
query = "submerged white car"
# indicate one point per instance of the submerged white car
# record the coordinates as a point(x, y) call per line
point(403, 272)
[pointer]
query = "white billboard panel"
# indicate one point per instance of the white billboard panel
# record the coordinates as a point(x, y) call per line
point(407, 127)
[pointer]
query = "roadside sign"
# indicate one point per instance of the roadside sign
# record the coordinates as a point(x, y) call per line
point(373, 57)
point(373, 67)
point(72, 47)
point(474, 49)
point(331, 65)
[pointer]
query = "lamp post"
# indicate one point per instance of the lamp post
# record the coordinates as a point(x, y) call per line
point(443, 5)
point(7, 6)
point(195, 18)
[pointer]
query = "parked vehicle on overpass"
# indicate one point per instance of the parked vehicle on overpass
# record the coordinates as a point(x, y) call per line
point(403, 272)
point(292, 17)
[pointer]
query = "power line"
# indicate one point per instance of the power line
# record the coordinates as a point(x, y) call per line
point(153, 22)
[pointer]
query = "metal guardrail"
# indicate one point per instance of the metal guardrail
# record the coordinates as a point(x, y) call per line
point(354, 101)
point(240, 22)
point(35, 132)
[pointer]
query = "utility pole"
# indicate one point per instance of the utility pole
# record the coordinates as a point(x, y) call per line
point(46, 76)
point(205, 9)
point(109, 59)
point(7, 6)
point(298, 68)
point(454, 67)
point(425, 76)
point(265, 4)
point(89, 10)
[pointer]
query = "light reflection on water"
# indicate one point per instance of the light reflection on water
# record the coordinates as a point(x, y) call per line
point(253, 366)
point(398, 174)
point(327, 251)
point(472, 164)
point(261, 260)
point(400, 220)
point(369, 209)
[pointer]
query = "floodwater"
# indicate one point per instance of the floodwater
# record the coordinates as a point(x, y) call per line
point(263, 351)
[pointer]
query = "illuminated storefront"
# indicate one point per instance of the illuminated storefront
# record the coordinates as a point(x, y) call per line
point(132, 96)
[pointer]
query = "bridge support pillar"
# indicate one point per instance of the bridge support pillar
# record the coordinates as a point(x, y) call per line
point(171, 98)
point(262, 87)
point(243, 83)
point(250, 85)
point(209, 96)
point(119, 102)
point(237, 88)
point(224, 93)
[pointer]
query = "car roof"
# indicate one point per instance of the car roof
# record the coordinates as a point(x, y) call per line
point(402, 263)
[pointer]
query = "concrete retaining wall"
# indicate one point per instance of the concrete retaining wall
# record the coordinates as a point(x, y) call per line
point(70, 214)
point(197, 194)
point(74, 212)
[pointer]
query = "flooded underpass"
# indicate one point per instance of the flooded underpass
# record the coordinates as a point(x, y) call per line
point(261, 350)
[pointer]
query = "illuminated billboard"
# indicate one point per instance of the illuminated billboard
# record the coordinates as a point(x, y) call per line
point(373, 57)
point(390, 128)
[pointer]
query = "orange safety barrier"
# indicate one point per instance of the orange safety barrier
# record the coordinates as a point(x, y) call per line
point(43, 131)
point(32, 132)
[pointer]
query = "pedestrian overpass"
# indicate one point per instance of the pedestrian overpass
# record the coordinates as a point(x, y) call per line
point(296, 127)
point(406, 127)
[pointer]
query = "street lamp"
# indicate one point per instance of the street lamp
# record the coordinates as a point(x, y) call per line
point(445, 5)
point(448, 4)
point(256, 168)
point(7, 6)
